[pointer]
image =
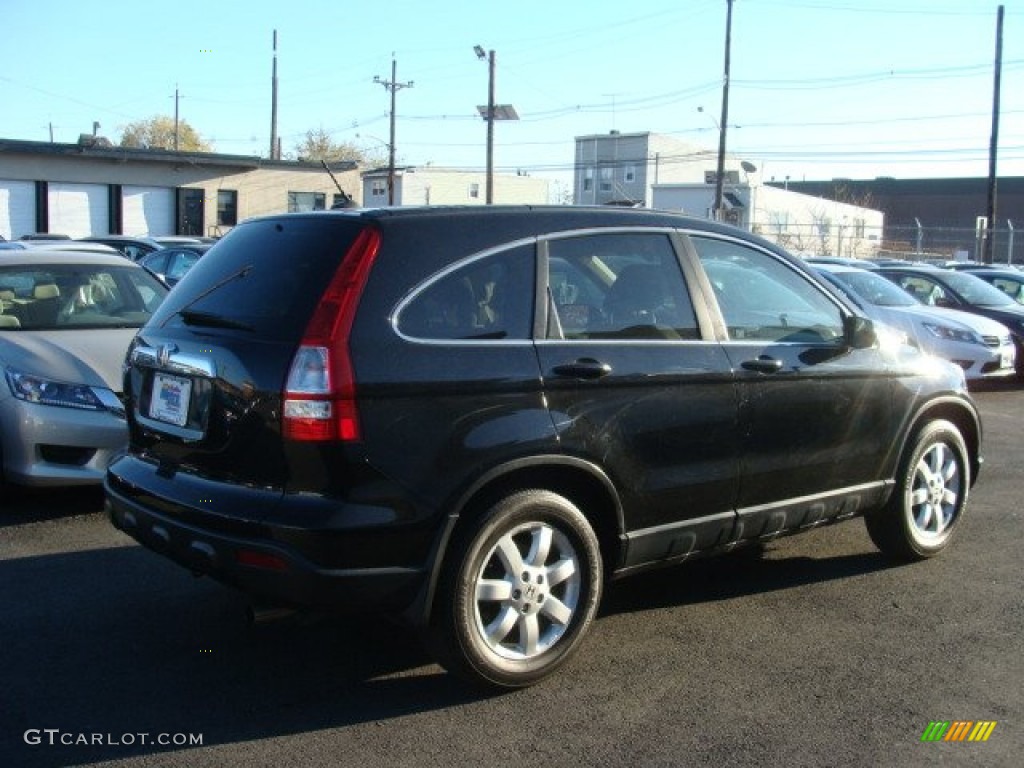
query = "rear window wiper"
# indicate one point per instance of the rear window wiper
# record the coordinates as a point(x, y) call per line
point(208, 318)
point(211, 320)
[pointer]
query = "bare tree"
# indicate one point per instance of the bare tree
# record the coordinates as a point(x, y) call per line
point(158, 133)
point(318, 145)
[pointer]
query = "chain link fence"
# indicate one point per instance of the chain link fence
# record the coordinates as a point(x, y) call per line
point(910, 243)
point(959, 243)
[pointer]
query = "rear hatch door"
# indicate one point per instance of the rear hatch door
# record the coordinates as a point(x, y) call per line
point(205, 375)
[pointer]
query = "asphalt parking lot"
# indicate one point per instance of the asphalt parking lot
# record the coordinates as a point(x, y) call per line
point(818, 653)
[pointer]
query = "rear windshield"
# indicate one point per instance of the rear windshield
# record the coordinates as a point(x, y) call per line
point(264, 277)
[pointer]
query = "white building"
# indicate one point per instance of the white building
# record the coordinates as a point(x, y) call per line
point(802, 224)
point(93, 188)
point(623, 168)
point(427, 185)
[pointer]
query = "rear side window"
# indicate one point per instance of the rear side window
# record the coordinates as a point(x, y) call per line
point(266, 276)
point(617, 286)
point(487, 298)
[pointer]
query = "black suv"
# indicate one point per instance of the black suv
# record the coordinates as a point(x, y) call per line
point(473, 417)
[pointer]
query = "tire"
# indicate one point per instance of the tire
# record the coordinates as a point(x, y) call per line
point(519, 591)
point(929, 499)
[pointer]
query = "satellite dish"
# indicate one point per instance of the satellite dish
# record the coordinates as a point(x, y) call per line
point(748, 167)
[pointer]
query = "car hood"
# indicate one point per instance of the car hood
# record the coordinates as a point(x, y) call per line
point(91, 357)
point(977, 323)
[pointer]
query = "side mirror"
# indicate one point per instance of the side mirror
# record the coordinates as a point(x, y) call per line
point(859, 332)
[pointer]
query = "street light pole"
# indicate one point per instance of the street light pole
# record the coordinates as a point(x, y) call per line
point(491, 112)
point(490, 127)
point(489, 117)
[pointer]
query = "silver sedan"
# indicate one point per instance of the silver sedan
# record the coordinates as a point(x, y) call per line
point(66, 320)
point(981, 346)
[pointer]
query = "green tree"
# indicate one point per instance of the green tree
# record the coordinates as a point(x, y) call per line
point(318, 145)
point(158, 133)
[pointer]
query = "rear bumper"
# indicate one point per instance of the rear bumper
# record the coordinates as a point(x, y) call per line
point(261, 565)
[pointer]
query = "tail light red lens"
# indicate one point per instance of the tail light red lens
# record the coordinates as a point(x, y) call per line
point(320, 392)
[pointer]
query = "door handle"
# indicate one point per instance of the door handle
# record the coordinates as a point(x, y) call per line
point(763, 364)
point(584, 368)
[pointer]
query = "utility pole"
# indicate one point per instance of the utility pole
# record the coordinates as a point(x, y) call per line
point(274, 149)
point(720, 177)
point(176, 117)
point(986, 256)
point(392, 86)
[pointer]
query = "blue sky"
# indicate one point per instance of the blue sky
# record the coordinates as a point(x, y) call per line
point(819, 88)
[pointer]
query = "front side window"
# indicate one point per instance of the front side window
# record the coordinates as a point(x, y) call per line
point(763, 299)
point(1012, 288)
point(487, 298)
point(921, 288)
point(617, 286)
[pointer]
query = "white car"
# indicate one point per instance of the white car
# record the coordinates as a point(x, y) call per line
point(66, 319)
point(981, 346)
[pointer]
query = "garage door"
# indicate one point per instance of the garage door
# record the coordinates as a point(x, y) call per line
point(17, 208)
point(79, 209)
point(147, 210)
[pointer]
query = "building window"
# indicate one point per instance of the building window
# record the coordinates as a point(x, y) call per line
point(606, 179)
point(227, 207)
point(588, 179)
point(306, 201)
point(474, 190)
point(378, 188)
point(630, 174)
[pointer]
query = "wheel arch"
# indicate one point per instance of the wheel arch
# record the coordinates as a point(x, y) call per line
point(579, 481)
point(965, 419)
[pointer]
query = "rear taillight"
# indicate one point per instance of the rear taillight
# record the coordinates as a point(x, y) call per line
point(320, 392)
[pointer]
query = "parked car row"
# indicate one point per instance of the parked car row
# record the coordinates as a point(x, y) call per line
point(982, 347)
point(964, 291)
point(166, 257)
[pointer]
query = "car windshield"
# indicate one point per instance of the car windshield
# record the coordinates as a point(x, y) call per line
point(875, 289)
point(976, 291)
point(40, 297)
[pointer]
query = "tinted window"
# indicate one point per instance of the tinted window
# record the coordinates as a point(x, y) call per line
point(1012, 288)
point(266, 274)
point(762, 298)
point(621, 286)
point(488, 298)
point(180, 262)
point(974, 290)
